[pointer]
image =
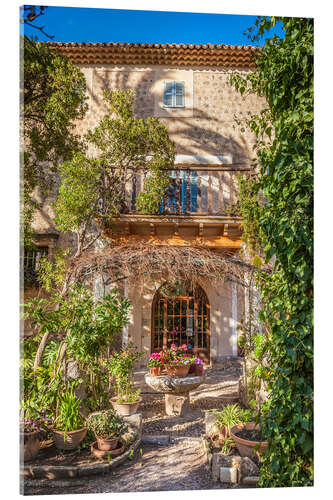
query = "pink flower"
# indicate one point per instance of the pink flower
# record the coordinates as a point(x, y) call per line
point(174, 347)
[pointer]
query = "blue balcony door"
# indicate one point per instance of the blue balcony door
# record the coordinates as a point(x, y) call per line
point(182, 193)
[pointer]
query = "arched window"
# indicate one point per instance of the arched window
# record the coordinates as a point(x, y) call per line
point(181, 315)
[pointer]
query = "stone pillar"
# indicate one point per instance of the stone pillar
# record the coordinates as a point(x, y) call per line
point(177, 404)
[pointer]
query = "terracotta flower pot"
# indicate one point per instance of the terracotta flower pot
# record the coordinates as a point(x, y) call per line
point(244, 446)
point(155, 371)
point(177, 371)
point(107, 444)
point(198, 370)
point(125, 409)
point(107, 454)
point(31, 444)
point(69, 440)
point(223, 432)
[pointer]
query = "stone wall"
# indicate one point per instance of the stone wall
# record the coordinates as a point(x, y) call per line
point(206, 126)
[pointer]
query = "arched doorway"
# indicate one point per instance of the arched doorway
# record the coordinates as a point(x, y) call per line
point(181, 315)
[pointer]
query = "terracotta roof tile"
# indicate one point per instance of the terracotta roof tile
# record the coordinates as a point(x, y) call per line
point(167, 54)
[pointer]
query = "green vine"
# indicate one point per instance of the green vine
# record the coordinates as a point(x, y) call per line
point(280, 223)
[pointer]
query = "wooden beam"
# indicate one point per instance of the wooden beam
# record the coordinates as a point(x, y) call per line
point(204, 242)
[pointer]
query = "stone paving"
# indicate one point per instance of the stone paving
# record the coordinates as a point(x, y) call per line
point(179, 464)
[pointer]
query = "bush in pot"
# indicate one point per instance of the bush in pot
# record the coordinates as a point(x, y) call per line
point(107, 428)
point(69, 429)
point(228, 417)
point(121, 365)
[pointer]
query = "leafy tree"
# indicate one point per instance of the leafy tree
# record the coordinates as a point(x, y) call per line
point(81, 328)
point(29, 14)
point(92, 190)
point(53, 98)
point(281, 200)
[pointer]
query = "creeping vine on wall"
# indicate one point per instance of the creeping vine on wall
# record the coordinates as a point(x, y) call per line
point(283, 228)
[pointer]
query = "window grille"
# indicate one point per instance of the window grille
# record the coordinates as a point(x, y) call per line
point(32, 263)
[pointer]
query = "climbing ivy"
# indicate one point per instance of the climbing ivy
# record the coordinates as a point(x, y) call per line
point(280, 221)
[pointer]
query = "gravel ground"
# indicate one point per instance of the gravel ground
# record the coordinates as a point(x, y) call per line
point(180, 465)
point(177, 466)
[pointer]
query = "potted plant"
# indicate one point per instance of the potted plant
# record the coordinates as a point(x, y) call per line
point(128, 403)
point(228, 417)
point(248, 439)
point(155, 364)
point(121, 364)
point(107, 428)
point(197, 367)
point(69, 429)
point(176, 361)
point(30, 430)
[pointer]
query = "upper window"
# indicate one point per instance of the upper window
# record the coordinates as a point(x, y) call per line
point(174, 94)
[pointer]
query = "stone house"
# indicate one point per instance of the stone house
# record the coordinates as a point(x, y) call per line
point(187, 87)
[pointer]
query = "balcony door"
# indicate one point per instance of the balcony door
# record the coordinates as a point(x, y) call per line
point(181, 315)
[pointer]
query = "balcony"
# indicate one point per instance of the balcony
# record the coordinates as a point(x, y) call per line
point(198, 209)
point(196, 191)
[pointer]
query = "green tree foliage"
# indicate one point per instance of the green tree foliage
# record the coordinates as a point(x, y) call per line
point(283, 227)
point(53, 98)
point(81, 329)
point(94, 188)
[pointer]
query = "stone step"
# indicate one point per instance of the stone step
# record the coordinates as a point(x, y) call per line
point(160, 439)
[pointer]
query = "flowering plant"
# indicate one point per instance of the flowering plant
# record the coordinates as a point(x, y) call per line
point(32, 425)
point(155, 360)
point(176, 356)
point(198, 361)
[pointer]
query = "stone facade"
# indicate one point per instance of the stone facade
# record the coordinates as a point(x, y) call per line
point(206, 127)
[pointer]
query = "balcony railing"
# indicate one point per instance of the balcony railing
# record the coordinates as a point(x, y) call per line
point(192, 191)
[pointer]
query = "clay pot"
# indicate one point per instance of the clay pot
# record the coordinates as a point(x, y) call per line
point(69, 440)
point(244, 446)
point(107, 454)
point(177, 371)
point(223, 432)
point(125, 409)
point(31, 444)
point(198, 370)
point(107, 444)
point(155, 371)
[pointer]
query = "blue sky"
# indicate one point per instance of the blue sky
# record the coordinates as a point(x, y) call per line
point(76, 24)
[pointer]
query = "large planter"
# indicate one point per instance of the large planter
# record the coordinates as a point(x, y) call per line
point(155, 371)
point(107, 444)
point(177, 371)
point(69, 440)
point(31, 444)
point(125, 409)
point(245, 446)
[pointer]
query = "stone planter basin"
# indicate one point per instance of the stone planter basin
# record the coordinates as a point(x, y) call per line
point(176, 390)
point(169, 385)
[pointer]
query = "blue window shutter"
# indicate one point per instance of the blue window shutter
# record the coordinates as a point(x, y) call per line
point(193, 191)
point(182, 177)
point(179, 94)
point(168, 93)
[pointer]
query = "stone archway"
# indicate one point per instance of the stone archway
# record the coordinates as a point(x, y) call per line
point(181, 315)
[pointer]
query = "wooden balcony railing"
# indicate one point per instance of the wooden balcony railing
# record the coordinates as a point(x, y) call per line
point(196, 190)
